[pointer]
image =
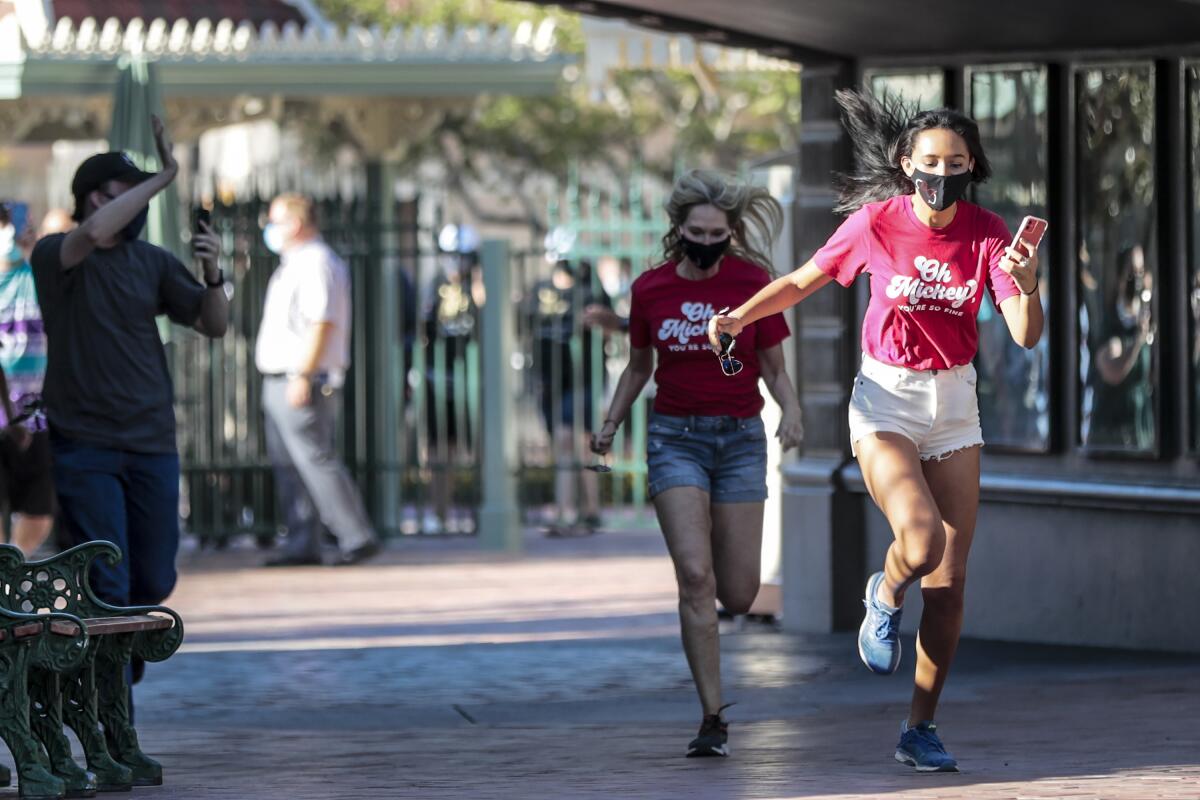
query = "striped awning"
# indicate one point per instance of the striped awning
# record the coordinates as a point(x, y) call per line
point(223, 58)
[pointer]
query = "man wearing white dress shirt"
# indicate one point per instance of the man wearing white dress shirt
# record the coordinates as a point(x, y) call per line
point(303, 351)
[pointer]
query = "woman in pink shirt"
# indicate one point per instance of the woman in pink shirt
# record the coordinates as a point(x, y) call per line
point(914, 416)
point(706, 445)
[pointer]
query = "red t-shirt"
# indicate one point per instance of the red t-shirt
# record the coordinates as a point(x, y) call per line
point(672, 313)
point(925, 282)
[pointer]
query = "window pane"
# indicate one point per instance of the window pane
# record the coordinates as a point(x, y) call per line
point(925, 88)
point(1117, 259)
point(1194, 133)
point(1010, 107)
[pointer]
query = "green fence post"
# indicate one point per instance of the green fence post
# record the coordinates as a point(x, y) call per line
point(384, 350)
point(499, 528)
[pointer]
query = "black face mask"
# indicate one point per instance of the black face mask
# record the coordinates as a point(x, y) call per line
point(134, 228)
point(704, 256)
point(940, 191)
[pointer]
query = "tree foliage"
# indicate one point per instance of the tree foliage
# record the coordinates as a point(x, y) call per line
point(659, 119)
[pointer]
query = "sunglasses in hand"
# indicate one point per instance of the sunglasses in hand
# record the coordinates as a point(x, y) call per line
point(729, 365)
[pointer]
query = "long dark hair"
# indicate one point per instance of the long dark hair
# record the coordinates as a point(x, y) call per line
point(882, 131)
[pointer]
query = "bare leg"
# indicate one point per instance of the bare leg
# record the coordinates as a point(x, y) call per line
point(29, 533)
point(441, 490)
point(683, 514)
point(564, 476)
point(893, 473)
point(737, 553)
point(589, 483)
point(954, 483)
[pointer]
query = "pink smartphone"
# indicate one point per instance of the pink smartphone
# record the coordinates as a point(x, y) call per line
point(1032, 230)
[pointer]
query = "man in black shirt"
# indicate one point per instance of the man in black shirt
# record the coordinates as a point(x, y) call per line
point(108, 393)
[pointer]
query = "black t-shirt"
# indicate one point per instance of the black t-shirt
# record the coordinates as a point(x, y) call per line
point(107, 381)
point(557, 317)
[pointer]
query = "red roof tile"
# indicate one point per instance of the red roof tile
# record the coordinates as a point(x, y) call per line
point(254, 11)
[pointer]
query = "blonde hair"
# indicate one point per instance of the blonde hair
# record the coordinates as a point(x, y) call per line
point(755, 217)
point(298, 207)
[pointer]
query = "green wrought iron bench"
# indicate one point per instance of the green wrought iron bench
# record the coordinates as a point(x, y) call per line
point(51, 641)
point(90, 692)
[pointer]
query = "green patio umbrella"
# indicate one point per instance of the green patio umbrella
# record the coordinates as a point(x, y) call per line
point(137, 97)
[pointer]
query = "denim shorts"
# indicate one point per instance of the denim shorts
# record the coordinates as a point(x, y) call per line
point(724, 456)
point(936, 409)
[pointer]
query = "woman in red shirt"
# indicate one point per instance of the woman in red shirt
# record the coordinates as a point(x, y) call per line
point(706, 448)
point(914, 415)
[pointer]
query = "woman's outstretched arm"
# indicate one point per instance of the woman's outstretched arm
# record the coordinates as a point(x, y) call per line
point(778, 295)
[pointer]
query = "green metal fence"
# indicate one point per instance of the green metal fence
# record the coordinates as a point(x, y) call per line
point(407, 430)
point(412, 416)
point(610, 236)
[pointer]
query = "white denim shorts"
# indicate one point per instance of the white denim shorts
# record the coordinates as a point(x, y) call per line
point(936, 409)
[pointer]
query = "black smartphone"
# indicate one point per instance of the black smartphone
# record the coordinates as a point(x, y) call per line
point(203, 218)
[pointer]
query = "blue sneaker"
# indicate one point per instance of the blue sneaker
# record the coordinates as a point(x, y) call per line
point(879, 635)
point(920, 747)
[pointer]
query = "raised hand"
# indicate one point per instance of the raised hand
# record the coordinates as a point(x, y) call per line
point(163, 143)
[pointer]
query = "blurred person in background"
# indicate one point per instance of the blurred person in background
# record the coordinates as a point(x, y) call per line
point(569, 380)
point(451, 314)
point(303, 352)
point(28, 484)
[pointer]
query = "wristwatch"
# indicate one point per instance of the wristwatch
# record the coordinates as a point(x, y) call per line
point(220, 281)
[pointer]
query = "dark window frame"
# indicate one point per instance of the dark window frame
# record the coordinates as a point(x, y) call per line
point(961, 78)
point(1190, 77)
point(867, 76)
point(1162, 276)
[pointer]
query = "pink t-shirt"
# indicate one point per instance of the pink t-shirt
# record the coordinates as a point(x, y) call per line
point(671, 314)
point(925, 282)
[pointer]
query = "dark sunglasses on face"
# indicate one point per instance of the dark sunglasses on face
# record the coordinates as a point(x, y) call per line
point(729, 365)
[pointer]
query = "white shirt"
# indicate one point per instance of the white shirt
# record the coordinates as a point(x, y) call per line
point(310, 285)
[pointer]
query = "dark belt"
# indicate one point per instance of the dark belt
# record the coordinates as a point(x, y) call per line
point(316, 376)
point(694, 422)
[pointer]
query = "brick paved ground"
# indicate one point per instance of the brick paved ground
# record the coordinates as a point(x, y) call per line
point(440, 672)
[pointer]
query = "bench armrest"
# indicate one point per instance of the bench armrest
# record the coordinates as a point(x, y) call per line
point(156, 645)
point(59, 641)
point(63, 644)
point(63, 581)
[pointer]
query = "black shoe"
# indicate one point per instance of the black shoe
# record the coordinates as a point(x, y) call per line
point(292, 561)
point(359, 554)
point(713, 739)
point(585, 526)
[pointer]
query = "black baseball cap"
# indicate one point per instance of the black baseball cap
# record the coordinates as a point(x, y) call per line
point(99, 170)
